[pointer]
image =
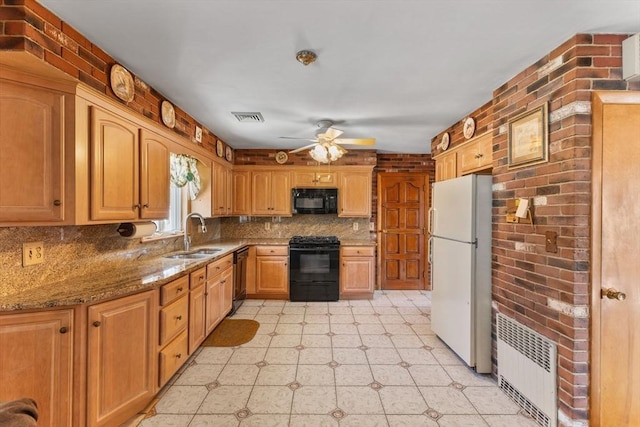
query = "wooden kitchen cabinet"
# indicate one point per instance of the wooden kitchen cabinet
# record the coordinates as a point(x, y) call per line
point(36, 360)
point(241, 192)
point(271, 193)
point(354, 197)
point(173, 322)
point(197, 308)
point(155, 152)
point(219, 275)
point(36, 151)
point(357, 272)
point(311, 179)
point(222, 191)
point(122, 353)
point(272, 271)
point(477, 155)
point(447, 166)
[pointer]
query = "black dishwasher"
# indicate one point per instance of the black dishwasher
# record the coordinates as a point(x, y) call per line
point(240, 258)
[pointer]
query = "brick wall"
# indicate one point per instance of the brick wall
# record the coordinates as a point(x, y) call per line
point(550, 292)
point(26, 26)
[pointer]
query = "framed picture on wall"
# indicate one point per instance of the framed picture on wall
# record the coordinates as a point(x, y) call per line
point(528, 138)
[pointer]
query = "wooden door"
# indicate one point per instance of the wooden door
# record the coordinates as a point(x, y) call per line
point(114, 167)
point(36, 361)
point(403, 204)
point(121, 359)
point(154, 176)
point(615, 370)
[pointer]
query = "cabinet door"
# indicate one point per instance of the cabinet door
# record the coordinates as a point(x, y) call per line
point(219, 190)
point(357, 275)
point(32, 145)
point(121, 358)
point(355, 194)
point(213, 305)
point(281, 193)
point(226, 299)
point(241, 194)
point(114, 167)
point(446, 166)
point(261, 193)
point(36, 360)
point(272, 274)
point(197, 317)
point(154, 176)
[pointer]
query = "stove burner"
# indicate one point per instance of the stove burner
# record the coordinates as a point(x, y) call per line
point(316, 240)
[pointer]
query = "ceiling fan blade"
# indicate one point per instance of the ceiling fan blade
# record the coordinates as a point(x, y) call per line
point(306, 147)
point(332, 133)
point(299, 139)
point(355, 141)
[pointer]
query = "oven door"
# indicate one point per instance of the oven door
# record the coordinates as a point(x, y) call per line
point(314, 274)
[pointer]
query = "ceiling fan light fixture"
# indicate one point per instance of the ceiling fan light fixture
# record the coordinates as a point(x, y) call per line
point(306, 57)
point(326, 152)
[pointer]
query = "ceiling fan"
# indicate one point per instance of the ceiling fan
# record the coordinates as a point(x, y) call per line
point(326, 145)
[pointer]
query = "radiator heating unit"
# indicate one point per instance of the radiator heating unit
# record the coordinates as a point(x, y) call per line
point(527, 363)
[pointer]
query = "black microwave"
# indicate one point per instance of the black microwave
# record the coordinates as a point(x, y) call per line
point(314, 200)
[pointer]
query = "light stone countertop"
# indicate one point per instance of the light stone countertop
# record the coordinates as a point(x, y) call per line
point(135, 276)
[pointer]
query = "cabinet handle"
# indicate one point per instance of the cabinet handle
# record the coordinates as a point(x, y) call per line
point(146, 205)
point(57, 203)
point(96, 323)
point(64, 330)
point(179, 317)
point(180, 289)
point(206, 293)
point(222, 282)
point(136, 206)
point(179, 355)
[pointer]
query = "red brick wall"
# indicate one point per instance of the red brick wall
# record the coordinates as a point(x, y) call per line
point(25, 25)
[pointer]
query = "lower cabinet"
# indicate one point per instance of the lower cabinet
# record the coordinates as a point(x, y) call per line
point(272, 271)
point(357, 272)
point(121, 357)
point(36, 361)
point(197, 305)
point(219, 275)
point(173, 321)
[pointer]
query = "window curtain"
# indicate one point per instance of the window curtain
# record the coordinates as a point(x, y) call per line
point(184, 171)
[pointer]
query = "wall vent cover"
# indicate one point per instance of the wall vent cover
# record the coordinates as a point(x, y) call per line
point(248, 117)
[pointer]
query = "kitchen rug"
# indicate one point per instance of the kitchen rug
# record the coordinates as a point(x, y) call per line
point(232, 332)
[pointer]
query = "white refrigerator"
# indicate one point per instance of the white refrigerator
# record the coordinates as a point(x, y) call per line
point(460, 258)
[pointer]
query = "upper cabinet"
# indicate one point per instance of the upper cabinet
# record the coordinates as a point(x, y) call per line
point(309, 179)
point(36, 151)
point(271, 193)
point(473, 156)
point(155, 152)
point(354, 193)
point(241, 192)
point(447, 166)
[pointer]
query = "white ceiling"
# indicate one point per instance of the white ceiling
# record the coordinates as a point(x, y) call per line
point(400, 71)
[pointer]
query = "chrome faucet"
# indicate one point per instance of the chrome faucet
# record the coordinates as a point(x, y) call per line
point(187, 238)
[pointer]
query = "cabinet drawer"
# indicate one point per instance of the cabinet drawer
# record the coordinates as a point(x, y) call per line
point(198, 278)
point(272, 250)
point(219, 266)
point(172, 357)
point(358, 251)
point(173, 319)
point(174, 290)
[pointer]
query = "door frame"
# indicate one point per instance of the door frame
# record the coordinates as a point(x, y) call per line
point(599, 99)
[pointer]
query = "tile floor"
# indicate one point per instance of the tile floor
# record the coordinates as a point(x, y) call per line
point(347, 363)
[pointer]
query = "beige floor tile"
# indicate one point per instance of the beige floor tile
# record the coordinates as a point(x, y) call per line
point(411, 421)
point(265, 420)
point(214, 420)
point(366, 318)
point(468, 378)
point(270, 310)
point(247, 356)
point(401, 329)
point(167, 420)
point(252, 302)
point(359, 303)
point(364, 309)
point(270, 400)
point(316, 341)
point(402, 400)
point(289, 309)
point(357, 375)
point(317, 308)
point(225, 400)
point(345, 329)
point(244, 316)
point(509, 421)
point(391, 319)
point(462, 421)
point(387, 310)
point(377, 341)
point(285, 341)
point(274, 303)
point(267, 318)
point(291, 318)
point(391, 375)
point(414, 319)
point(314, 400)
point(238, 375)
point(364, 421)
point(247, 309)
point(266, 328)
point(315, 375)
point(214, 355)
point(444, 356)
point(313, 421)
point(349, 356)
point(316, 328)
point(315, 356)
point(348, 341)
point(258, 341)
point(383, 356)
point(359, 400)
point(316, 318)
point(341, 318)
point(425, 331)
point(289, 329)
point(447, 400)
point(371, 329)
point(409, 310)
point(429, 375)
point(276, 375)
point(199, 374)
point(406, 341)
point(417, 356)
point(282, 356)
point(491, 400)
point(343, 310)
point(181, 400)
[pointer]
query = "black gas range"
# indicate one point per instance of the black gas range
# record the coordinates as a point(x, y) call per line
point(314, 268)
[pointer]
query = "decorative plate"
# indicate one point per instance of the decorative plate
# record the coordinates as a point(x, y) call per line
point(469, 127)
point(122, 83)
point(220, 148)
point(281, 157)
point(228, 154)
point(168, 114)
point(444, 143)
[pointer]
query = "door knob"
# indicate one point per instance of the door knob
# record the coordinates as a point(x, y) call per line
point(613, 294)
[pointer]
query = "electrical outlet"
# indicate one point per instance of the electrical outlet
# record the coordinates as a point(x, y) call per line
point(355, 226)
point(372, 226)
point(32, 253)
point(267, 226)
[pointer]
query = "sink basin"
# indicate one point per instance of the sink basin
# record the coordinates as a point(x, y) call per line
point(188, 255)
point(208, 251)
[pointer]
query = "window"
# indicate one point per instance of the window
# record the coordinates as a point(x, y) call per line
point(177, 208)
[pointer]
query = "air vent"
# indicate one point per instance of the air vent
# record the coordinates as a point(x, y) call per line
point(249, 117)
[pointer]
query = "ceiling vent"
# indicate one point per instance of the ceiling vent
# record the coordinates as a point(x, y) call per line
point(249, 117)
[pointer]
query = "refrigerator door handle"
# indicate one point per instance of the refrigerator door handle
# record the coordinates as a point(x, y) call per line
point(430, 242)
point(429, 218)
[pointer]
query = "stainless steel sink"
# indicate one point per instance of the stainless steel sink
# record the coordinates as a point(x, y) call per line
point(199, 254)
point(208, 251)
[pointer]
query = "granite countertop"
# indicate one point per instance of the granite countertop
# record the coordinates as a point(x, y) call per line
point(129, 278)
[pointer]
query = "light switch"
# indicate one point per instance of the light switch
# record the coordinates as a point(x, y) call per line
point(551, 241)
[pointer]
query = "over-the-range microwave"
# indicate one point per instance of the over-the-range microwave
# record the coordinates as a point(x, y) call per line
point(314, 200)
